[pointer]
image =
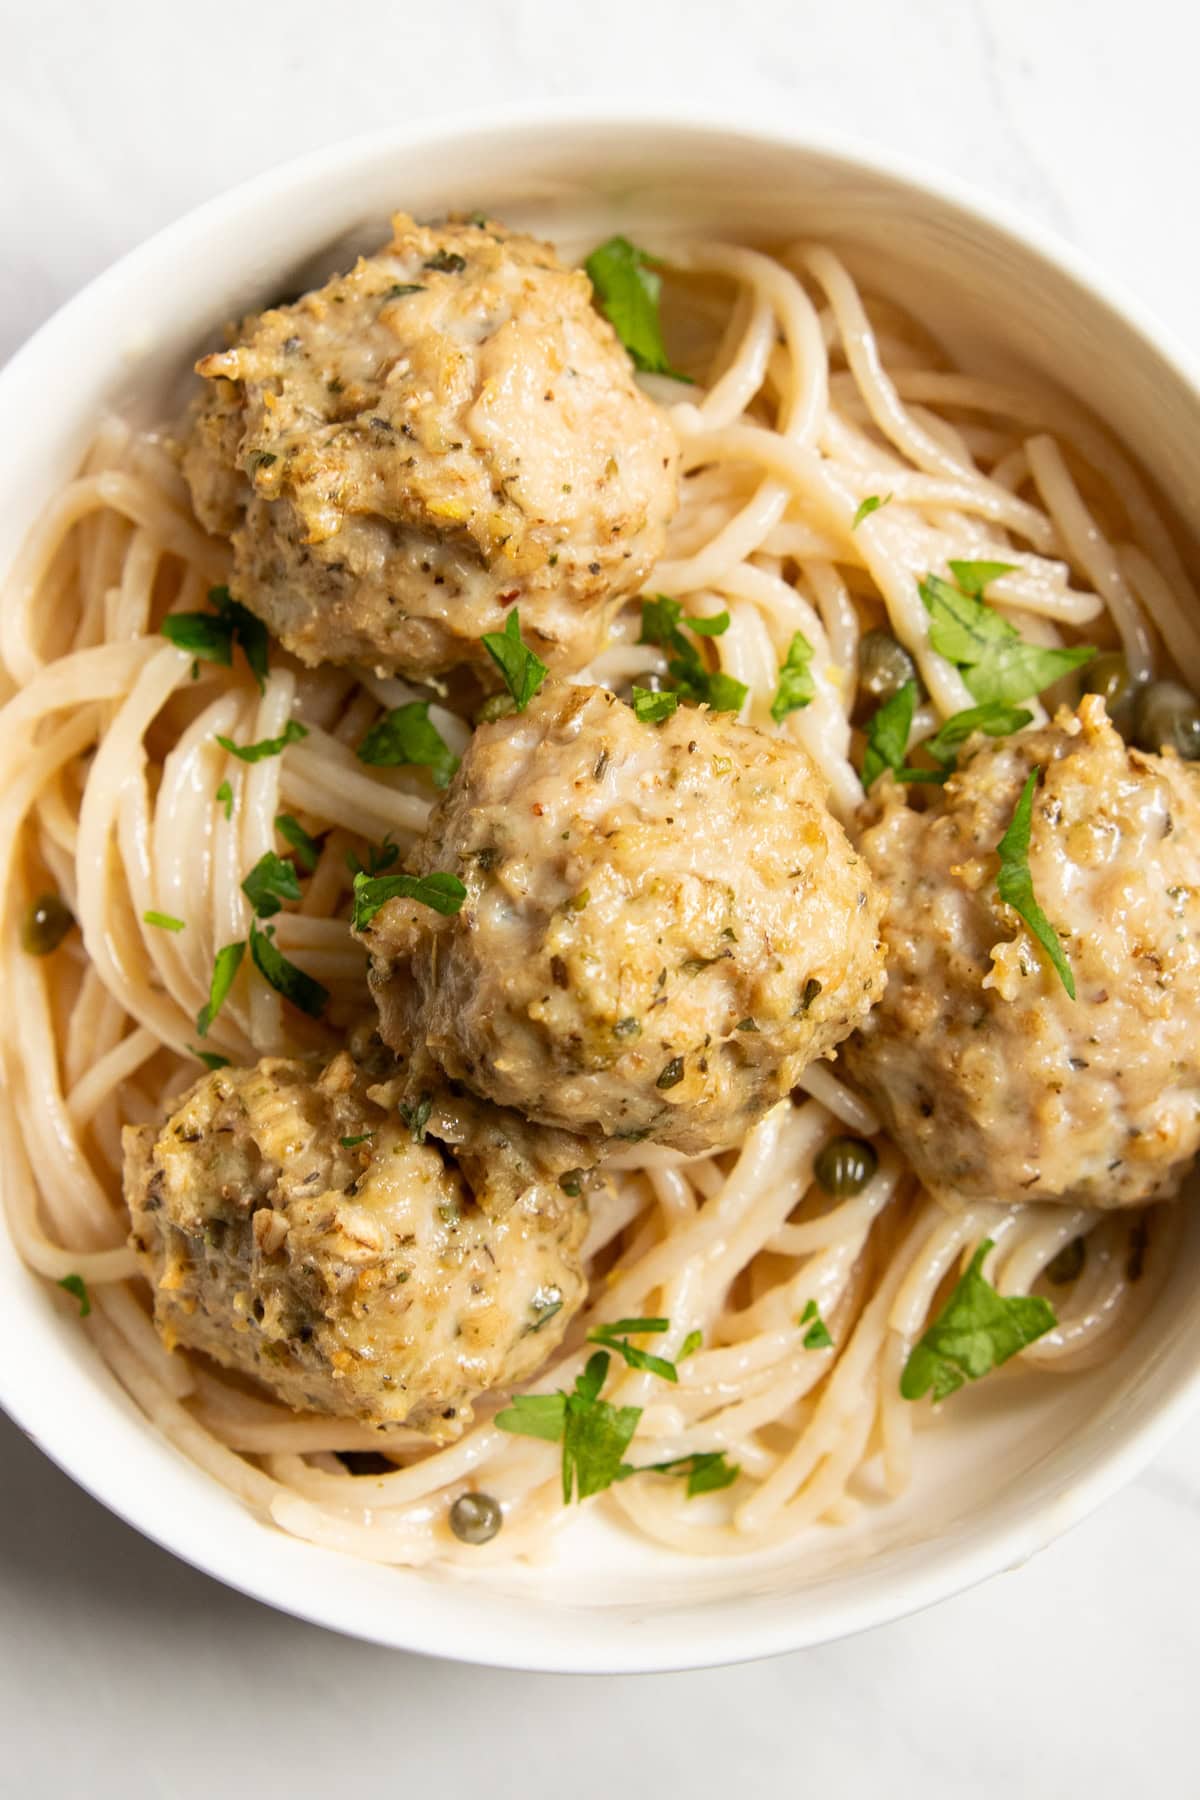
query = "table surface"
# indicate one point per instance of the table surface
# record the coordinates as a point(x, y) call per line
point(122, 1671)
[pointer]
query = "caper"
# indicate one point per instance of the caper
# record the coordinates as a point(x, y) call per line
point(1108, 675)
point(883, 665)
point(1166, 713)
point(475, 1518)
point(46, 925)
point(845, 1165)
point(1068, 1264)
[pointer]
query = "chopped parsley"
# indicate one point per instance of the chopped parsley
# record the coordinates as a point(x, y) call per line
point(301, 989)
point(888, 734)
point(399, 288)
point(976, 1331)
point(164, 921)
point(211, 637)
point(307, 849)
point(866, 507)
point(594, 1434)
point(1014, 883)
point(352, 1143)
point(661, 620)
point(994, 718)
point(523, 672)
point(444, 893)
point(996, 662)
point(796, 687)
point(652, 708)
point(225, 798)
point(614, 1337)
point(379, 857)
point(691, 1343)
point(417, 1117)
point(706, 1470)
point(711, 625)
point(212, 1059)
point(76, 1286)
point(226, 964)
point(628, 290)
point(447, 262)
point(270, 882)
point(817, 1336)
point(405, 737)
point(252, 753)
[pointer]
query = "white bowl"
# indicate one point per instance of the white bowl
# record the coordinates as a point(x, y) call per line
point(1009, 1470)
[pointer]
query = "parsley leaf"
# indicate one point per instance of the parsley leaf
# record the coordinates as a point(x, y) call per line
point(535, 1415)
point(817, 1336)
point(77, 1287)
point(523, 672)
point(404, 737)
point(444, 893)
point(996, 662)
point(226, 964)
point(202, 635)
point(796, 687)
point(691, 1343)
point(248, 631)
point(379, 857)
point(613, 1338)
point(301, 989)
point(995, 718)
point(417, 1117)
point(628, 291)
point(866, 507)
point(709, 625)
point(165, 921)
point(1014, 883)
point(270, 882)
point(225, 798)
point(352, 1143)
point(651, 707)
point(973, 577)
point(307, 849)
point(661, 618)
point(210, 1058)
point(888, 733)
point(252, 753)
point(594, 1435)
point(706, 1470)
point(976, 1331)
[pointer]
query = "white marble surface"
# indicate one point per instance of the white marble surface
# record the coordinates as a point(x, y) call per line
point(122, 1672)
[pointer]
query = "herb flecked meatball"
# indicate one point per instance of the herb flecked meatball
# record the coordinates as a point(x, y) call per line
point(663, 924)
point(318, 1233)
point(991, 1079)
point(407, 452)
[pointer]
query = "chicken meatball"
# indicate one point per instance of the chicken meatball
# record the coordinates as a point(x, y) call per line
point(305, 1230)
point(447, 431)
point(991, 1079)
point(663, 923)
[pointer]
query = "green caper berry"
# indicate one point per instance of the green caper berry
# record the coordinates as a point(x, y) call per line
point(1167, 714)
point(672, 1074)
point(1068, 1264)
point(1108, 675)
point(475, 1518)
point(884, 665)
point(845, 1165)
point(571, 1183)
point(46, 925)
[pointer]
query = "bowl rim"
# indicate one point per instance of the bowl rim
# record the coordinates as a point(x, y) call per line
point(672, 1639)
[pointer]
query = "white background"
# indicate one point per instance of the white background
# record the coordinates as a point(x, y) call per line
point(124, 1673)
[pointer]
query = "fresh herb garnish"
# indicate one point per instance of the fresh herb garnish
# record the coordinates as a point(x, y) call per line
point(164, 921)
point(995, 719)
point(706, 1470)
point(226, 964)
point(405, 737)
point(1014, 883)
point(817, 1336)
point(417, 1117)
point(866, 507)
point(614, 1337)
point(888, 733)
point(691, 1343)
point(379, 857)
point(400, 288)
point(306, 848)
point(252, 753)
point(248, 631)
point(270, 882)
point(996, 662)
point(76, 1286)
point(594, 1435)
point(204, 636)
point(796, 687)
point(651, 707)
point(225, 798)
point(212, 1059)
point(709, 625)
point(628, 290)
point(976, 1331)
point(447, 262)
point(661, 619)
point(301, 989)
point(352, 1143)
point(523, 672)
point(444, 893)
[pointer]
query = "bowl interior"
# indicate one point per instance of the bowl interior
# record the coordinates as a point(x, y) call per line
point(1013, 1464)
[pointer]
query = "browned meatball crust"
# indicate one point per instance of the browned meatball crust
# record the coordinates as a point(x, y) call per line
point(663, 925)
point(991, 1079)
point(404, 454)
